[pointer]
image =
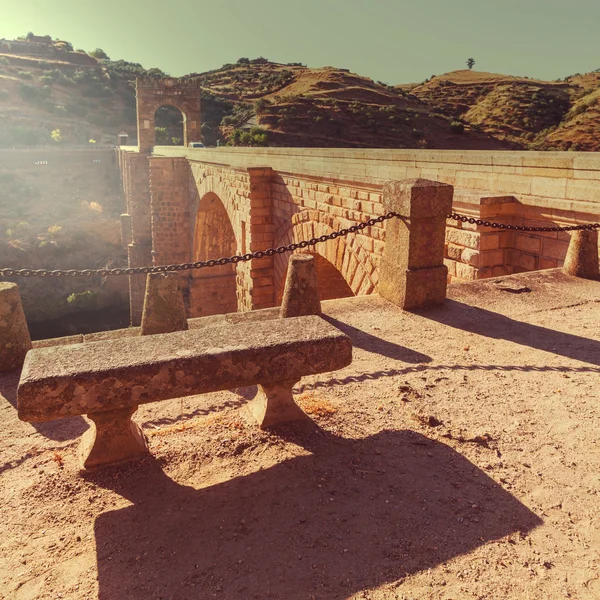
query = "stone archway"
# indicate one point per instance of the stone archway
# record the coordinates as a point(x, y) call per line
point(153, 93)
point(212, 290)
point(343, 267)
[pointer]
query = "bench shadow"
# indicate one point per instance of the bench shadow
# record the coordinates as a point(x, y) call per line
point(350, 516)
point(371, 343)
point(61, 430)
point(496, 326)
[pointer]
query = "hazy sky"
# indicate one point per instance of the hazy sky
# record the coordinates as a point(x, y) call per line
point(395, 41)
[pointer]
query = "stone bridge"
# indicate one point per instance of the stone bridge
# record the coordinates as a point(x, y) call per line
point(186, 204)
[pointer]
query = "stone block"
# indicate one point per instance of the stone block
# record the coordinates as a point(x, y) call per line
point(15, 341)
point(547, 263)
point(489, 241)
point(491, 258)
point(470, 257)
point(529, 243)
point(418, 198)
point(554, 248)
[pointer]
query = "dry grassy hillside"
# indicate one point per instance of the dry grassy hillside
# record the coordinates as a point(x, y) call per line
point(292, 104)
point(546, 115)
point(298, 106)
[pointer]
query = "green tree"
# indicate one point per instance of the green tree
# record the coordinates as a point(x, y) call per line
point(100, 54)
point(56, 136)
point(162, 135)
point(470, 63)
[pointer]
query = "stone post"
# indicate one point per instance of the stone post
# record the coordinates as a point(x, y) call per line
point(164, 309)
point(301, 293)
point(14, 334)
point(582, 255)
point(412, 271)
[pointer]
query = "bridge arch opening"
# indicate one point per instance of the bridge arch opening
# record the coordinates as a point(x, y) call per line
point(169, 126)
point(213, 290)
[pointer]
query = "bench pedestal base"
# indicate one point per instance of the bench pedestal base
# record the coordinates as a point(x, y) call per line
point(113, 438)
point(275, 404)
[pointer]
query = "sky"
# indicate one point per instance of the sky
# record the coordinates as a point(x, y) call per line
point(394, 41)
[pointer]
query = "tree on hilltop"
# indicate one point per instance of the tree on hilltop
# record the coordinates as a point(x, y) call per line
point(99, 54)
point(470, 63)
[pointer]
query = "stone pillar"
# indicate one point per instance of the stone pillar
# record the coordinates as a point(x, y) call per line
point(138, 255)
point(164, 309)
point(412, 271)
point(301, 293)
point(14, 334)
point(582, 255)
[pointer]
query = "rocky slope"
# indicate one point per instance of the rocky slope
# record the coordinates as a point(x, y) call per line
point(534, 114)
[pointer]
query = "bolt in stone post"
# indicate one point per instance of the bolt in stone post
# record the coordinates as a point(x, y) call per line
point(164, 309)
point(412, 272)
point(582, 255)
point(14, 334)
point(301, 293)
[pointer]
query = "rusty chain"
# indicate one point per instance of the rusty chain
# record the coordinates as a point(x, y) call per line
point(8, 272)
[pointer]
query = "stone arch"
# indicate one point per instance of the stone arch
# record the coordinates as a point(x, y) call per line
point(153, 93)
point(213, 290)
point(209, 184)
point(344, 255)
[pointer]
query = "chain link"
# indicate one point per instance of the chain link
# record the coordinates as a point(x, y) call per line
point(270, 251)
point(482, 223)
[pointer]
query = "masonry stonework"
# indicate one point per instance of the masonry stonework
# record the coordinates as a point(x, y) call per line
point(306, 193)
point(153, 93)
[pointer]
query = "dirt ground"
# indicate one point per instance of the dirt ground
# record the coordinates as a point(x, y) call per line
point(456, 458)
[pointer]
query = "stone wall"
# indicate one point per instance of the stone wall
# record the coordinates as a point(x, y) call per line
point(277, 196)
point(521, 188)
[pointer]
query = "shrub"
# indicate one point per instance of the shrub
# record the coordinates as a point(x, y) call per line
point(457, 127)
point(87, 300)
point(25, 74)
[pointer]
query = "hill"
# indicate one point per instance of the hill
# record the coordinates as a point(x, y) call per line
point(534, 114)
point(257, 102)
point(294, 105)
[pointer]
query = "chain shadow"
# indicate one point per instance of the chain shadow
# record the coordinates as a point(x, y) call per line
point(352, 516)
point(497, 326)
point(244, 395)
point(61, 430)
point(371, 343)
point(361, 377)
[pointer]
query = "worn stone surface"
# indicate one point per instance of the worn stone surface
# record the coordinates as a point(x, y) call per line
point(74, 380)
point(301, 293)
point(164, 309)
point(61, 341)
point(413, 273)
point(15, 341)
point(582, 255)
point(274, 404)
point(113, 438)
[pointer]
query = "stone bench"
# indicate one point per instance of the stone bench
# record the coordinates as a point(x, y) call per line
point(107, 380)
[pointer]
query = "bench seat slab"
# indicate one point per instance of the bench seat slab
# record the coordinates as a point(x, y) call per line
point(66, 381)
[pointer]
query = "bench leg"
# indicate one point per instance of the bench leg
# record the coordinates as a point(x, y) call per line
point(113, 438)
point(275, 404)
